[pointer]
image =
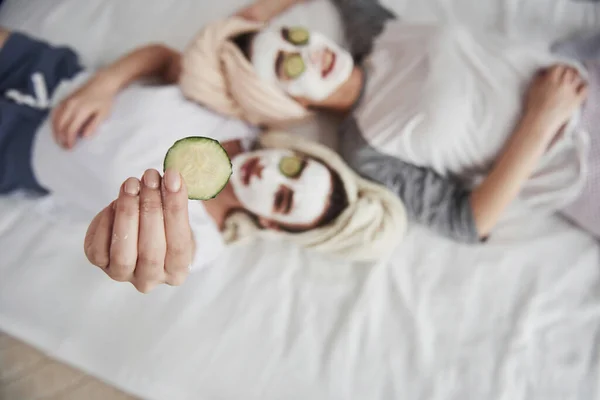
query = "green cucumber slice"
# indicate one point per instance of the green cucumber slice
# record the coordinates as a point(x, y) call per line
point(203, 164)
point(298, 36)
point(290, 166)
point(294, 66)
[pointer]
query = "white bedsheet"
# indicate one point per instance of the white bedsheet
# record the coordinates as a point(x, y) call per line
point(518, 318)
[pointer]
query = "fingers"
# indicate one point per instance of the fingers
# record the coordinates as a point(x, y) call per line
point(556, 73)
point(152, 242)
point(57, 120)
point(71, 120)
point(62, 119)
point(144, 237)
point(93, 124)
point(581, 87)
point(66, 121)
point(74, 128)
point(572, 78)
point(565, 75)
point(561, 73)
point(98, 238)
point(124, 240)
point(177, 228)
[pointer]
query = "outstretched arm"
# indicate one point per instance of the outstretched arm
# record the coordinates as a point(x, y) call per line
point(431, 200)
point(469, 216)
point(552, 99)
point(152, 61)
point(81, 113)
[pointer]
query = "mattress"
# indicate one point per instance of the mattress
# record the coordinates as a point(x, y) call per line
point(517, 318)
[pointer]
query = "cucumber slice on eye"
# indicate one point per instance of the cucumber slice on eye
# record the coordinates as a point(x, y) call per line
point(290, 166)
point(298, 36)
point(203, 164)
point(294, 66)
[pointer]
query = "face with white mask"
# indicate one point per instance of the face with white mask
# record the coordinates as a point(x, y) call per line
point(281, 187)
point(303, 63)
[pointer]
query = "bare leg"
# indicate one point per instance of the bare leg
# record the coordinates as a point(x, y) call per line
point(4, 33)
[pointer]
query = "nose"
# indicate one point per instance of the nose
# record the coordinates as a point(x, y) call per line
point(315, 57)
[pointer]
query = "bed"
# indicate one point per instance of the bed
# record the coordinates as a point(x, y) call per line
point(518, 318)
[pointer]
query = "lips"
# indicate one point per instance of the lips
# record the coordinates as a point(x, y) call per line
point(250, 169)
point(327, 63)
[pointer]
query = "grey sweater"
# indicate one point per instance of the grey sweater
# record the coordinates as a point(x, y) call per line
point(441, 203)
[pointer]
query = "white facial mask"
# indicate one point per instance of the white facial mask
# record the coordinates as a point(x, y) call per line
point(311, 189)
point(317, 55)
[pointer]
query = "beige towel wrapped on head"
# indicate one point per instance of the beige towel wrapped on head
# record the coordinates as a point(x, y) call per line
point(216, 74)
point(368, 230)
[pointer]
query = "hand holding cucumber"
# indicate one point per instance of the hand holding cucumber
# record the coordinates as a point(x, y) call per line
point(144, 237)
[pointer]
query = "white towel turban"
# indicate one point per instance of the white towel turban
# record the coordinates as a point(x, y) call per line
point(372, 225)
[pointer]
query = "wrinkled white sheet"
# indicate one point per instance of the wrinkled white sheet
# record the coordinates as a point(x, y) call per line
point(518, 318)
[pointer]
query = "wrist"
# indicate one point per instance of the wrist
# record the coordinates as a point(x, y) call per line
point(272, 8)
point(541, 125)
point(108, 79)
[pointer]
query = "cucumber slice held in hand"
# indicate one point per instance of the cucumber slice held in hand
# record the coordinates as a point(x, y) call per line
point(203, 164)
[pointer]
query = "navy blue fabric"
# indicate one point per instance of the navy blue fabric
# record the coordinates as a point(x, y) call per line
point(21, 59)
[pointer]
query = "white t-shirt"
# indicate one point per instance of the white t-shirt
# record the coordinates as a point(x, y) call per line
point(144, 122)
point(448, 99)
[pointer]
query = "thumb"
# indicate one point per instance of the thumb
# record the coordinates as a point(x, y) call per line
point(96, 245)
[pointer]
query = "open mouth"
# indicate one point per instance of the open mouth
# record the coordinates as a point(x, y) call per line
point(328, 63)
point(249, 169)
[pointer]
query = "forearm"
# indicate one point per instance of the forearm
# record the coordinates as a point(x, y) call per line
point(270, 8)
point(514, 166)
point(153, 61)
point(437, 202)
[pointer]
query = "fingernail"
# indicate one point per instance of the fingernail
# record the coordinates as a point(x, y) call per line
point(132, 186)
point(151, 179)
point(172, 180)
